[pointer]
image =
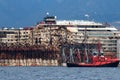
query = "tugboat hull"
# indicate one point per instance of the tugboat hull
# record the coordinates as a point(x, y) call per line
point(98, 64)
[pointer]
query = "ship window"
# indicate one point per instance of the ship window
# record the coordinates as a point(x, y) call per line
point(94, 54)
point(101, 54)
point(108, 30)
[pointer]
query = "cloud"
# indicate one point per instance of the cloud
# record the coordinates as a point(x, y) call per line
point(117, 22)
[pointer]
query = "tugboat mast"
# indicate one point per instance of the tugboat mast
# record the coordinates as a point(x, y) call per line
point(85, 40)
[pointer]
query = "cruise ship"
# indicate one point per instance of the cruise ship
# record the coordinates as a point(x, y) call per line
point(43, 42)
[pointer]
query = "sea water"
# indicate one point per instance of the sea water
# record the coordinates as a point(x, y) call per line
point(58, 73)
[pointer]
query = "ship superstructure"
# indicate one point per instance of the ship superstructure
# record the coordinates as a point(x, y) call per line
point(108, 35)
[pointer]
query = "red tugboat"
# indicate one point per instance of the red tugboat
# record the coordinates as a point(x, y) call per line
point(97, 62)
point(97, 59)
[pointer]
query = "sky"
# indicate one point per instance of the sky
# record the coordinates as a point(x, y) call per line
point(25, 13)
